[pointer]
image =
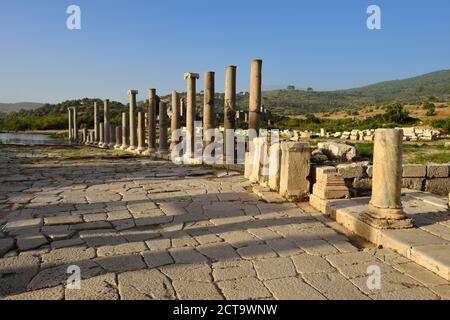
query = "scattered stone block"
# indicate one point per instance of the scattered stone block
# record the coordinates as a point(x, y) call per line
point(295, 169)
point(351, 170)
point(414, 171)
point(437, 170)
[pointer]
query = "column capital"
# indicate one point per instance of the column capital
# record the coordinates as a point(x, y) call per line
point(231, 66)
point(132, 92)
point(190, 75)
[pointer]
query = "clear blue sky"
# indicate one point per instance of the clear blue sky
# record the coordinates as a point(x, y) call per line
point(150, 43)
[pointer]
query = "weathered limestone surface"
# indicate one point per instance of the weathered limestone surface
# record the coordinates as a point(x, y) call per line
point(175, 123)
point(190, 112)
point(143, 229)
point(209, 113)
point(295, 168)
point(230, 109)
point(255, 99)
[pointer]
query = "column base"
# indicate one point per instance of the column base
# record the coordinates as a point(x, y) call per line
point(124, 147)
point(140, 150)
point(131, 148)
point(380, 218)
point(163, 154)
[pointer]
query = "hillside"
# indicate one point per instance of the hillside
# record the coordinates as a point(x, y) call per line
point(432, 86)
point(12, 107)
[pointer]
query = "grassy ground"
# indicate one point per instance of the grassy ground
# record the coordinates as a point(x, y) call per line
point(419, 153)
point(65, 151)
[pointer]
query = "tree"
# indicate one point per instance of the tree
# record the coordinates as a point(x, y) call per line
point(396, 113)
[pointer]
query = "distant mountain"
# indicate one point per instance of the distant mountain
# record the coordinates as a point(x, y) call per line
point(12, 107)
point(431, 86)
point(436, 84)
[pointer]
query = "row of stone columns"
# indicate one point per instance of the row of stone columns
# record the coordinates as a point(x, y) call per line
point(133, 134)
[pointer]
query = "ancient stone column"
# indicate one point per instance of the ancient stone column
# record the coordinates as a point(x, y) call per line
point(118, 141)
point(183, 112)
point(132, 114)
point(85, 135)
point(209, 113)
point(294, 170)
point(385, 209)
point(125, 133)
point(230, 111)
point(175, 123)
point(190, 112)
point(141, 132)
point(107, 138)
point(163, 126)
point(112, 136)
point(152, 100)
point(101, 141)
point(75, 123)
point(255, 95)
point(96, 126)
point(69, 110)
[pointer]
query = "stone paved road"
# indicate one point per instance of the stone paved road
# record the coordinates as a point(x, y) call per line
point(152, 230)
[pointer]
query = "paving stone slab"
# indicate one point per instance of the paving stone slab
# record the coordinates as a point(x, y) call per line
point(32, 241)
point(334, 286)
point(123, 263)
point(155, 259)
point(196, 290)
point(56, 293)
point(305, 263)
point(274, 268)
point(233, 269)
point(66, 256)
point(259, 251)
point(102, 287)
point(434, 257)
point(6, 244)
point(121, 249)
point(244, 289)
point(292, 288)
point(145, 285)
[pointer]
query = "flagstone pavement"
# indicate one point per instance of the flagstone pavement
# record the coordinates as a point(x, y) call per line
point(142, 229)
